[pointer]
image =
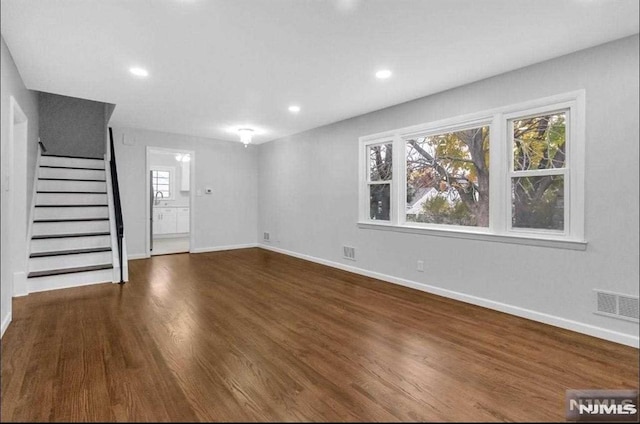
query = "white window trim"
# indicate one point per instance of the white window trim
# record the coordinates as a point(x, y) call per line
point(500, 175)
point(366, 177)
point(172, 179)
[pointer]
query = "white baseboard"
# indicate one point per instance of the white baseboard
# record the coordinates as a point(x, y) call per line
point(134, 256)
point(66, 281)
point(591, 330)
point(20, 286)
point(5, 323)
point(219, 248)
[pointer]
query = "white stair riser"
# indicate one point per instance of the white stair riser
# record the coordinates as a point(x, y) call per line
point(63, 281)
point(51, 228)
point(50, 185)
point(69, 243)
point(75, 162)
point(70, 199)
point(70, 213)
point(70, 174)
point(69, 261)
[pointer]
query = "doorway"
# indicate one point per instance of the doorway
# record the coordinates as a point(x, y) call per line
point(169, 173)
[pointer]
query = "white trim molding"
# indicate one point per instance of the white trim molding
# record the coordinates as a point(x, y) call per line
point(220, 248)
point(5, 322)
point(567, 324)
point(136, 256)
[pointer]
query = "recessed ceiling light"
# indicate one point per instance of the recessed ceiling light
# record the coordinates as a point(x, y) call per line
point(139, 72)
point(383, 74)
point(294, 109)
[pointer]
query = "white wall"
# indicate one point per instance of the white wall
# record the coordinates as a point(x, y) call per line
point(11, 85)
point(308, 197)
point(225, 218)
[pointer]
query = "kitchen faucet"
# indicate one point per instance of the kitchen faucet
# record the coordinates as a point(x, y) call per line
point(156, 201)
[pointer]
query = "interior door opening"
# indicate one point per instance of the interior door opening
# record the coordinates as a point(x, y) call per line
point(169, 173)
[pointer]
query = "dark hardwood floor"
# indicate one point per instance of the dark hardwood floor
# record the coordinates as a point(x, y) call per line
point(251, 335)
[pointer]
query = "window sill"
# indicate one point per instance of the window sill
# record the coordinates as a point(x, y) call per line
point(475, 235)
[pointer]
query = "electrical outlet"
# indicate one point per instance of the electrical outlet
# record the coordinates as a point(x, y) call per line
point(266, 236)
point(420, 266)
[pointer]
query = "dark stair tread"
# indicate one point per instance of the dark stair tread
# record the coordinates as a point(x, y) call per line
point(73, 192)
point(72, 167)
point(70, 252)
point(42, 237)
point(72, 206)
point(50, 272)
point(71, 220)
point(69, 179)
point(72, 157)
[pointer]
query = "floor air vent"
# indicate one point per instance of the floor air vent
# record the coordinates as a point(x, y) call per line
point(349, 253)
point(617, 305)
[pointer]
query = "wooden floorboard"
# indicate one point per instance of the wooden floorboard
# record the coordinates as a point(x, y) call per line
point(252, 335)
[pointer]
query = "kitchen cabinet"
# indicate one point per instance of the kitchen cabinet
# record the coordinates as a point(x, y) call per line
point(164, 220)
point(170, 220)
point(184, 177)
point(182, 220)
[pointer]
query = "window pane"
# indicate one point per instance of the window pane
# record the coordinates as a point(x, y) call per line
point(539, 142)
point(448, 178)
point(538, 202)
point(379, 201)
point(380, 159)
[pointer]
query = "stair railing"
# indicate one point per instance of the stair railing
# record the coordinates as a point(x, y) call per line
point(117, 205)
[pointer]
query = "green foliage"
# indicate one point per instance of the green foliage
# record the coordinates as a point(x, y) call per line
point(446, 163)
point(439, 210)
point(539, 142)
point(538, 202)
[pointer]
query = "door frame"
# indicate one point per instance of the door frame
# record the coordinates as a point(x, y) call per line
point(147, 190)
point(17, 196)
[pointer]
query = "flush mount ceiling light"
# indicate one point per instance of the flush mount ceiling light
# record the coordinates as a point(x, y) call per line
point(294, 109)
point(139, 72)
point(180, 157)
point(245, 135)
point(383, 74)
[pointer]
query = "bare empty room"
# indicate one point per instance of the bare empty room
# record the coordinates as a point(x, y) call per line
point(319, 210)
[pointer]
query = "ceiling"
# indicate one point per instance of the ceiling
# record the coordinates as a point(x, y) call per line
point(216, 65)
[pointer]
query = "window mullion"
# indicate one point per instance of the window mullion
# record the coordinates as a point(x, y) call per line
point(497, 175)
point(537, 172)
point(398, 189)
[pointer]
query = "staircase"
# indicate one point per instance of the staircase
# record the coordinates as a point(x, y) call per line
point(70, 236)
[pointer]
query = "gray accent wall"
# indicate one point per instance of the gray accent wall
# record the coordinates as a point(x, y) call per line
point(308, 197)
point(70, 126)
